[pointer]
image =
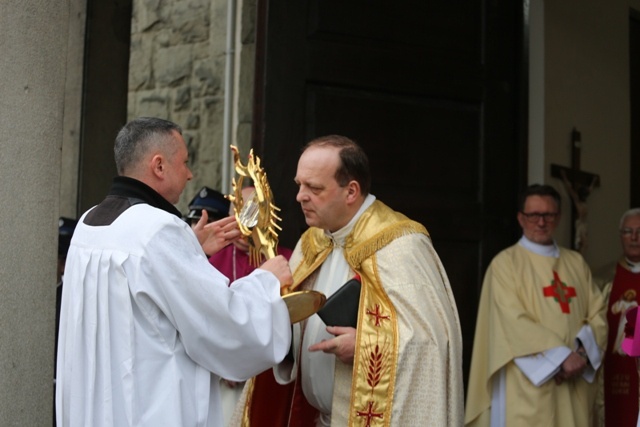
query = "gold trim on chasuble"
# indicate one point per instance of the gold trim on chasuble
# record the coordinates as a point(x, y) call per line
point(376, 357)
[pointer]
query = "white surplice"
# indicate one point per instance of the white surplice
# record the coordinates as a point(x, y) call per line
point(148, 326)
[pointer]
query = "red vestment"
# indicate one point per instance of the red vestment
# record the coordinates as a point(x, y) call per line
point(234, 263)
point(620, 373)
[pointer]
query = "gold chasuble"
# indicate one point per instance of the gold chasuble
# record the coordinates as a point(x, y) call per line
point(408, 356)
point(529, 304)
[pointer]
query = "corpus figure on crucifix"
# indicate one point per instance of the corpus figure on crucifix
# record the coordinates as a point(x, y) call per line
point(579, 185)
point(541, 328)
point(579, 199)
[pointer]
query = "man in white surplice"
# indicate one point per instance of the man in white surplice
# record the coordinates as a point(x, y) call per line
point(148, 325)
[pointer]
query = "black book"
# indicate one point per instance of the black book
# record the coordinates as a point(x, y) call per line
point(341, 308)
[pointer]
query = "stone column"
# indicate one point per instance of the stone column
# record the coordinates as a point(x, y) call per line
point(33, 47)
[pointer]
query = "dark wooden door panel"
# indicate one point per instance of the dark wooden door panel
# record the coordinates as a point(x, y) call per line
point(410, 142)
point(450, 27)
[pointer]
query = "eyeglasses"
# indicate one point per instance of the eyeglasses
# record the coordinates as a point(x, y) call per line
point(535, 216)
point(628, 232)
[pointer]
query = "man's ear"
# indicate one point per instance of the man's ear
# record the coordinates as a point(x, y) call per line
point(353, 191)
point(521, 220)
point(157, 165)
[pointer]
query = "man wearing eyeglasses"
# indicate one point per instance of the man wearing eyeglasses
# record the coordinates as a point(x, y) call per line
point(620, 374)
point(541, 329)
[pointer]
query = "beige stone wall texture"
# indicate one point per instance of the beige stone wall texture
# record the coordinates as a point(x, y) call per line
point(177, 72)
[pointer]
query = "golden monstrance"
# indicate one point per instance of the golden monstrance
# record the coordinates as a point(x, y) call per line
point(258, 222)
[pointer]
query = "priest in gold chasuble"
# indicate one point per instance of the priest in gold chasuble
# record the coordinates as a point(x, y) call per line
point(541, 329)
point(402, 364)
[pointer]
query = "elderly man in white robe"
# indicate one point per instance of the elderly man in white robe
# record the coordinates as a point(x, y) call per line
point(148, 326)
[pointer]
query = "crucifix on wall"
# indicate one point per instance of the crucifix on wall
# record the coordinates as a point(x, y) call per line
point(579, 184)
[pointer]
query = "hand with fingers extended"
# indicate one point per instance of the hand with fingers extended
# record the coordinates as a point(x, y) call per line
point(216, 235)
point(342, 346)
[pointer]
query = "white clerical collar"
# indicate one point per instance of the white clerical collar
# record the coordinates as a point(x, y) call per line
point(544, 250)
point(634, 267)
point(339, 235)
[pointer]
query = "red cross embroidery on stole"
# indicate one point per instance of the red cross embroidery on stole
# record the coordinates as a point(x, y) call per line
point(369, 414)
point(560, 292)
point(378, 315)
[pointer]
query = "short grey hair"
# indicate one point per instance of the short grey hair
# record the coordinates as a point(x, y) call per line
point(627, 214)
point(138, 136)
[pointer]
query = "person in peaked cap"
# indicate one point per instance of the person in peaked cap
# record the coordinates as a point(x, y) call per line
point(214, 202)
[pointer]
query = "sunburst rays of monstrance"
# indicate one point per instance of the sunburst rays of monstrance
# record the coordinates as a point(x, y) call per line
point(257, 219)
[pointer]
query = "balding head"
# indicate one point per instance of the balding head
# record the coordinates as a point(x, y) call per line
point(354, 163)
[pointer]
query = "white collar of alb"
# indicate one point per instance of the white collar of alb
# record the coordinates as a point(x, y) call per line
point(544, 250)
point(634, 267)
point(340, 235)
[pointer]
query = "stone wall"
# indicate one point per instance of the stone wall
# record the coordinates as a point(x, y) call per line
point(177, 72)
